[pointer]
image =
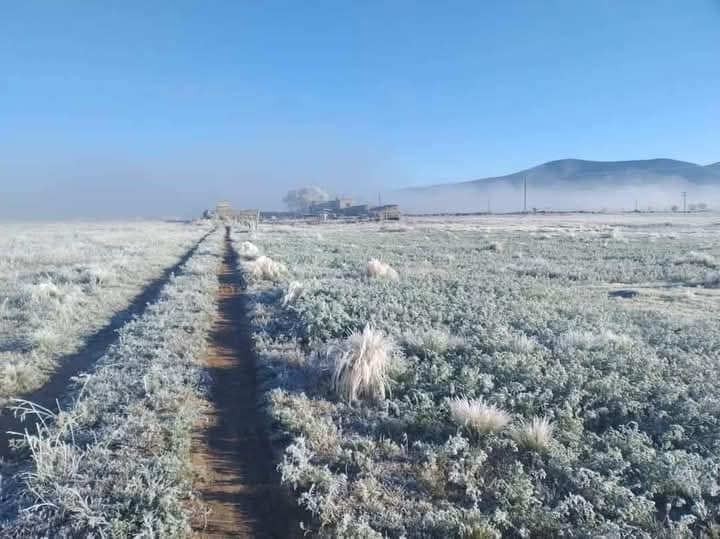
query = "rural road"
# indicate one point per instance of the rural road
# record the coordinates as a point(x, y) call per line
point(231, 455)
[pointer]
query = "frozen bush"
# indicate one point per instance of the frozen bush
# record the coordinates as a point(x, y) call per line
point(534, 434)
point(587, 340)
point(362, 364)
point(41, 292)
point(98, 275)
point(248, 250)
point(380, 270)
point(265, 268)
point(477, 415)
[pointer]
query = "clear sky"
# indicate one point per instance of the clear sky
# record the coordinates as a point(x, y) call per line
point(114, 104)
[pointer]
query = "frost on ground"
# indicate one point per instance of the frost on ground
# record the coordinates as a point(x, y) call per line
point(61, 282)
point(529, 402)
point(114, 462)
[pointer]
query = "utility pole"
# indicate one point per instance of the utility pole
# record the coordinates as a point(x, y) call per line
point(525, 195)
point(684, 195)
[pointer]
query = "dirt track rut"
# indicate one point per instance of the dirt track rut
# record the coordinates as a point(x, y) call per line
point(55, 389)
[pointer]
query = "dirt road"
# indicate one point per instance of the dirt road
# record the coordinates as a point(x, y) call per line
point(231, 456)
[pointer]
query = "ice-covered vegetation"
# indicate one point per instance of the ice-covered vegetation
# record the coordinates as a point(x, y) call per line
point(114, 462)
point(61, 282)
point(530, 402)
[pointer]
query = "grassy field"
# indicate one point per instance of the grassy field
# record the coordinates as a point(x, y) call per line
point(464, 377)
point(60, 282)
point(475, 377)
point(114, 462)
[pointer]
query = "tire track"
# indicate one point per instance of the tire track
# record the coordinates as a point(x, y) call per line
point(70, 365)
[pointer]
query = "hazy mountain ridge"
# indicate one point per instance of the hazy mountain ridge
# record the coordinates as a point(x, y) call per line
point(583, 173)
point(575, 184)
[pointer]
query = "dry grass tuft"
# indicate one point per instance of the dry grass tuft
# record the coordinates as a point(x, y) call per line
point(535, 434)
point(265, 268)
point(477, 415)
point(294, 291)
point(248, 250)
point(362, 364)
point(380, 270)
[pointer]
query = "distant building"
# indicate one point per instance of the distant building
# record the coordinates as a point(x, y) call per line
point(225, 213)
point(223, 210)
point(330, 206)
point(340, 208)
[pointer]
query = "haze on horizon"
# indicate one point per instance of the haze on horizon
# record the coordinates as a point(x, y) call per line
point(132, 109)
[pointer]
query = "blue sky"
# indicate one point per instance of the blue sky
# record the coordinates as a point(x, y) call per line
point(246, 99)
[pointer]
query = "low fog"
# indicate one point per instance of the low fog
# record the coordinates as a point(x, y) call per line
point(182, 186)
point(466, 198)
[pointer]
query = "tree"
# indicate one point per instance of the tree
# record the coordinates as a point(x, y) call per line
point(674, 207)
point(300, 200)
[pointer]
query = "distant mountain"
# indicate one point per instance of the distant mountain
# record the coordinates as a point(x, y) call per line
point(580, 173)
point(572, 184)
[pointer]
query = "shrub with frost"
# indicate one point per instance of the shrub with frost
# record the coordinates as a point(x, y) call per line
point(294, 291)
point(534, 434)
point(265, 268)
point(362, 364)
point(477, 415)
point(694, 257)
point(432, 341)
point(98, 275)
point(380, 270)
point(587, 340)
point(248, 250)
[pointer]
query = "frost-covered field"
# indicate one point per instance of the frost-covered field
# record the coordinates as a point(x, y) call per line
point(115, 462)
point(491, 386)
point(60, 282)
